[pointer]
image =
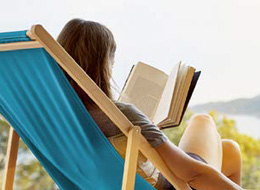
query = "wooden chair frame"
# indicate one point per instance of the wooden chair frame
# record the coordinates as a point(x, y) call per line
point(136, 142)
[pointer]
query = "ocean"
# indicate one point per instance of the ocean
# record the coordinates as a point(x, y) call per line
point(249, 125)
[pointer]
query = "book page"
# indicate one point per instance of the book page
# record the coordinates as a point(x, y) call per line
point(174, 104)
point(144, 88)
point(185, 85)
point(176, 100)
point(164, 105)
point(184, 92)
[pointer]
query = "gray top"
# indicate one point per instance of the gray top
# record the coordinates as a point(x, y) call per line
point(150, 131)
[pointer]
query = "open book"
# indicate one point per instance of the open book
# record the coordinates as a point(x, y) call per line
point(163, 98)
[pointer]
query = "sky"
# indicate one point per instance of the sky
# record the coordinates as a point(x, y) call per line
point(219, 37)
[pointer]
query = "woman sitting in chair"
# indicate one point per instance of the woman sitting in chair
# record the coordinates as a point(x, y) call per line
point(202, 159)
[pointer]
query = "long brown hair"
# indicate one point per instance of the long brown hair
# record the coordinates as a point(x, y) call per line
point(92, 46)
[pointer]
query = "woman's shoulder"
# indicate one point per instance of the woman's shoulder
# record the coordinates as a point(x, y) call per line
point(124, 105)
point(130, 110)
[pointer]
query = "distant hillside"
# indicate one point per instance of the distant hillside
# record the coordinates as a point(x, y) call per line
point(241, 106)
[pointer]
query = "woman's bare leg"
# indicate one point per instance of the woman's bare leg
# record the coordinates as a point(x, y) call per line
point(231, 164)
point(201, 137)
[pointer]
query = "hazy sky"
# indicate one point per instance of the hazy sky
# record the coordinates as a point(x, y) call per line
point(219, 37)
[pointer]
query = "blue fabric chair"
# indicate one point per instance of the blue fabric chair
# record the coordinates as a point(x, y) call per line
point(40, 104)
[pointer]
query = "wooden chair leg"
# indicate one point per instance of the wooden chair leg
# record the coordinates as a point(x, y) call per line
point(11, 157)
point(131, 158)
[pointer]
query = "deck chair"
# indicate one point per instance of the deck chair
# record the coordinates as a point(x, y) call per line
point(43, 109)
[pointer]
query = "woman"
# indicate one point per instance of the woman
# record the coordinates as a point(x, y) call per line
point(201, 155)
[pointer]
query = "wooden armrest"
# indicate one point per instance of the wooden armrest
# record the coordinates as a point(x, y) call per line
point(131, 158)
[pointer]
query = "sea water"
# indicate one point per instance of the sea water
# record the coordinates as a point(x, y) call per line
point(248, 125)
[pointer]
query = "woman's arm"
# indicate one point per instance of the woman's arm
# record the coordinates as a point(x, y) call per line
point(197, 174)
